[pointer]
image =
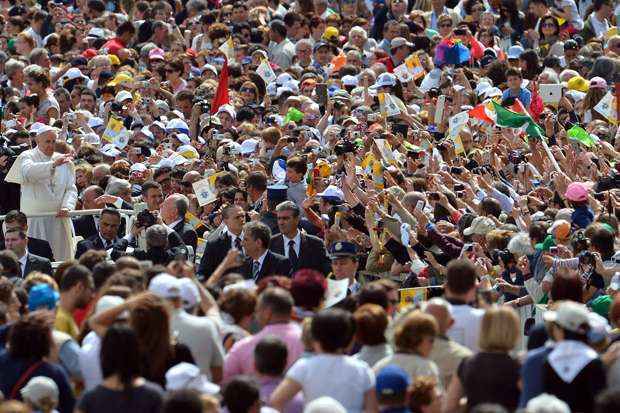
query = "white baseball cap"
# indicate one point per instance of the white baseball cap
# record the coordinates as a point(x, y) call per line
point(165, 286)
point(188, 376)
point(349, 80)
point(248, 146)
point(122, 96)
point(95, 122)
point(570, 316)
point(177, 124)
point(183, 138)
point(385, 79)
point(110, 150)
point(332, 192)
point(189, 293)
point(138, 167)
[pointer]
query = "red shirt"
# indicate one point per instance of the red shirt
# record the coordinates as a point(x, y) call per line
point(113, 45)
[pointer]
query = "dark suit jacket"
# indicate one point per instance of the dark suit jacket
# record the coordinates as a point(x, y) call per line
point(273, 264)
point(93, 243)
point(187, 234)
point(84, 226)
point(37, 247)
point(215, 250)
point(37, 263)
point(312, 253)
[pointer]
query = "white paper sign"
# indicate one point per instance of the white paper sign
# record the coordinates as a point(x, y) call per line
point(551, 94)
point(457, 123)
point(607, 107)
point(265, 71)
point(204, 192)
point(439, 108)
point(385, 150)
point(336, 291)
point(403, 74)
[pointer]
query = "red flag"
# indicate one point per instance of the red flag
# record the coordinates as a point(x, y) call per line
point(221, 95)
point(518, 107)
point(480, 113)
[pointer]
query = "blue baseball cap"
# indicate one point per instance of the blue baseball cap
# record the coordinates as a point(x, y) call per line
point(392, 381)
point(342, 249)
point(42, 296)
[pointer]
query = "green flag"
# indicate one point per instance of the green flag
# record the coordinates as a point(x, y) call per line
point(294, 115)
point(509, 119)
point(580, 135)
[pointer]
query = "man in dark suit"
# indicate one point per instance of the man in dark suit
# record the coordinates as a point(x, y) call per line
point(85, 226)
point(17, 220)
point(17, 241)
point(301, 249)
point(107, 236)
point(261, 262)
point(230, 236)
point(172, 212)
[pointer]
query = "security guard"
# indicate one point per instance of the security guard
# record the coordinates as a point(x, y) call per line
point(343, 255)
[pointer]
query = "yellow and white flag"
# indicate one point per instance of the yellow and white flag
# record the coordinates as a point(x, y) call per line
point(228, 48)
point(608, 107)
point(387, 105)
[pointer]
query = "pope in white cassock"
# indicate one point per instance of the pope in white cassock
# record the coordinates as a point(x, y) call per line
point(48, 185)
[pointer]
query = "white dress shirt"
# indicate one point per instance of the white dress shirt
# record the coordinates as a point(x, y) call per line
point(297, 241)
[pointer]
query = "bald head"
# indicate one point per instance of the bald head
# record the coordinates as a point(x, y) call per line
point(89, 195)
point(440, 310)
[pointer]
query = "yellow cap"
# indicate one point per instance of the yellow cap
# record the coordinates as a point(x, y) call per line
point(578, 83)
point(121, 77)
point(114, 61)
point(330, 33)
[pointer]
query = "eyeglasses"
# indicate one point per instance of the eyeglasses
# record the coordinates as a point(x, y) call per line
point(170, 70)
point(246, 90)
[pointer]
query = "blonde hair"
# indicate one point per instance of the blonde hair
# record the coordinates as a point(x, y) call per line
point(37, 277)
point(499, 330)
point(412, 329)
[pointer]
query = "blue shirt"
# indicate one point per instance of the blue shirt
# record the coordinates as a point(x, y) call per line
point(525, 96)
point(582, 216)
point(12, 369)
point(531, 374)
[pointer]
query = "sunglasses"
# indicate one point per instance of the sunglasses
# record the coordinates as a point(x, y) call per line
point(549, 25)
point(247, 90)
point(446, 25)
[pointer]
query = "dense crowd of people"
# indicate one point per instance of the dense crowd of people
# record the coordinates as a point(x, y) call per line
point(309, 206)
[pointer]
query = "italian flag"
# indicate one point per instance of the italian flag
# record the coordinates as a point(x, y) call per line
point(493, 113)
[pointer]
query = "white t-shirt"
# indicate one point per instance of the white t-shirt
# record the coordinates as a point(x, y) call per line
point(200, 334)
point(89, 361)
point(343, 378)
point(466, 328)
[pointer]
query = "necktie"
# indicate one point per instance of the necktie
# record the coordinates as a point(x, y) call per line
point(238, 243)
point(255, 269)
point(292, 255)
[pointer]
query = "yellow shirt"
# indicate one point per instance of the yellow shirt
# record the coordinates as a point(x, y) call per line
point(65, 323)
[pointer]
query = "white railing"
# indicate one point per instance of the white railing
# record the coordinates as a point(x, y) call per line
point(76, 213)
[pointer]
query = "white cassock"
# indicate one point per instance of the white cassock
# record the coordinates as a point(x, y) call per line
point(47, 189)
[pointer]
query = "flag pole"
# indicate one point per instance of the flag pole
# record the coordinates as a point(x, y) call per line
point(550, 156)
